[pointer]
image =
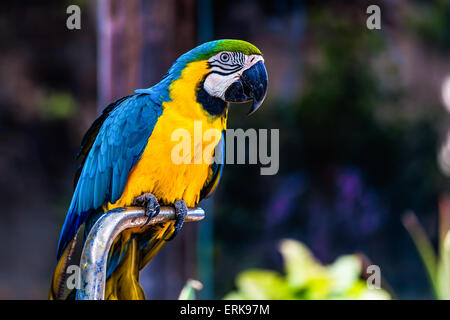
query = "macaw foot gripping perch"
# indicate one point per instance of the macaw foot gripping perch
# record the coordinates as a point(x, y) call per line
point(100, 238)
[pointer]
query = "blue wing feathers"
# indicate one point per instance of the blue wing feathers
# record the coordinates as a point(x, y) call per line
point(121, 135)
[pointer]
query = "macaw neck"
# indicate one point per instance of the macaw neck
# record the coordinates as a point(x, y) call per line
point(215, 107)
point(189, 98)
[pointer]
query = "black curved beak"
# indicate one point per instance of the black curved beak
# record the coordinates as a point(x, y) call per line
point(251, 86)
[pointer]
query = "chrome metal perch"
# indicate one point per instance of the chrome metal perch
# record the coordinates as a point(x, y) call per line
point(101, 236)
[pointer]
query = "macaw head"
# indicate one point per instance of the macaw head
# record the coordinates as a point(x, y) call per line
point(223, 72)
point(236, 72)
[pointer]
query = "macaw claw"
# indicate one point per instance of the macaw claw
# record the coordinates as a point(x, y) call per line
point(181, 212)
point(150, 205)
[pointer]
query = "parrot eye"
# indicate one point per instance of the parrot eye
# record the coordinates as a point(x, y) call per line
point(224, 57)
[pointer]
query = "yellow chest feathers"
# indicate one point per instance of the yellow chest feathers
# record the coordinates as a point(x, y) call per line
point(176, 162)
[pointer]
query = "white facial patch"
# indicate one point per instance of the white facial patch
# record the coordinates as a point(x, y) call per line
point(226, 68)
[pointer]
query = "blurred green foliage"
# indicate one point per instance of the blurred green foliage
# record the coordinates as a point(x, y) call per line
point(306, 279)
point(188, 291)
point(437, 266)
point(58, 106)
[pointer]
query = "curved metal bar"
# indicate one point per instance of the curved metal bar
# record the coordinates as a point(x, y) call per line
point(100, 238)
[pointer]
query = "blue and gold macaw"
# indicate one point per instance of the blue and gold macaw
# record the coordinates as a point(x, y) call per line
point(125, 156)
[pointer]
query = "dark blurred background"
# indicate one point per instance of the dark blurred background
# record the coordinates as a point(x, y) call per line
point(361, 116)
